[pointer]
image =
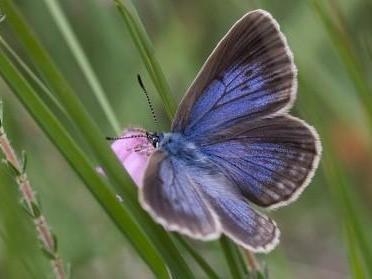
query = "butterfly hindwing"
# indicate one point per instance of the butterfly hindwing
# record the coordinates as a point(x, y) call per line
point(250, 74)
point(243, 224)
point(200, 202)
point(238, 219)
point(271, 160)
point(171, 197)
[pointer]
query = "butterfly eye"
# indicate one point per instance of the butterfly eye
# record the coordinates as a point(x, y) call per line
point(153, 138)
point(155, 142)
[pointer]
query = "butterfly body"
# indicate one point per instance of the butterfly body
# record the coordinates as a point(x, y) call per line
point(232, 143)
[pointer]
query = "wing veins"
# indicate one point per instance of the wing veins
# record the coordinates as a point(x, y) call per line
point(239, 168)
point(212, 108)
point(270, 170)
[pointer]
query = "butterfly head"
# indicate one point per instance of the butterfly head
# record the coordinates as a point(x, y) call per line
point(154, 138)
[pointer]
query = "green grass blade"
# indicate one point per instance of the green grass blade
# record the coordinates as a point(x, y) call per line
point(231, 255)
point(80, 163)
point(199, 259)
point(338, 183)
point(354, 258)
point(144, 47)
point(32, 75)
point(351, 217)
point(355, 70)
point(241, 259)
point(355, 225)
point(44, 93)
point(82, 60)
point(349, 58)
point(96, 141)
point(334, 173)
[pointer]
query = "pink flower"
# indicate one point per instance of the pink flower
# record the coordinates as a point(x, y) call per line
point(133, 153)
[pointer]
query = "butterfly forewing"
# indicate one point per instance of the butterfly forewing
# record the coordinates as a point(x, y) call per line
point(250, 74)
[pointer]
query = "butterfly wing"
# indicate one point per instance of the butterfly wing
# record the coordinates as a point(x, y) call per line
point(239, 221)
point(172, 199)
point(271, 160)
point(235, 110)
point(250, 74)
point(200, 202)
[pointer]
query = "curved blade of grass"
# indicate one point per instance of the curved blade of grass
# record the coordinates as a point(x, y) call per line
point(231, 255)
point(144, 47)
point(198, 259)
point(80, 163)
point(241, 259)
point(44, 93)
point(352, 64)
point(42, 89)
point(83, 62)
point(354, 257)
point(32, 75)
point(95, 140)
point(351, 218)
point(339, 185)
point(355, 223)
point(349, 58)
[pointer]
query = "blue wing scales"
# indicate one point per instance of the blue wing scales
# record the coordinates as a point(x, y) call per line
point(200, 202)
point(249, 75)
point(248, 84)
point(172, 199)
point(270, 160)
point(235, 112)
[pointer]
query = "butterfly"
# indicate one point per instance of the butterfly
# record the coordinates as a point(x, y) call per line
point(232, 145)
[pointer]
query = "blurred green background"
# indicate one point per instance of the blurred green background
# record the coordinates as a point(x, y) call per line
point(313, 242)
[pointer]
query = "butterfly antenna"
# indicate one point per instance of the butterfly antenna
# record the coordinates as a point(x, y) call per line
point(148, 99)
point(129, 137)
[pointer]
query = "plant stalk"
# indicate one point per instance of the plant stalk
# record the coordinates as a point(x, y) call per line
point(45, 235)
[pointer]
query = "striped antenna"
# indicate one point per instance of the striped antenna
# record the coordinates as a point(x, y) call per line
point(148, 99)
point(129, 137)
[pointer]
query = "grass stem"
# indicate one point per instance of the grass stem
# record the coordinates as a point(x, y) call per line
point(47, 239)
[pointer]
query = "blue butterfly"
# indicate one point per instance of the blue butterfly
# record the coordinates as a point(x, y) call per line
point(232, 143)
